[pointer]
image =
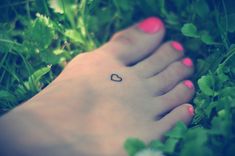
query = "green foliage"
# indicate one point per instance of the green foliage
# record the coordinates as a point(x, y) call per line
point(38, 37)
point(206, 85)
point(39, 34)
point(201, 8)
point(133, 146)
point(190, 30)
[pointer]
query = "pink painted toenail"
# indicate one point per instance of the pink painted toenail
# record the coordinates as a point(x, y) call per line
point(191, 110)
point(150, 25)
point(188, 84)
point(188, 62)
point(177, 45)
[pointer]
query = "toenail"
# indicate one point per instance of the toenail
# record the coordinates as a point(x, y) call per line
point(188, 84)
point(150, 25)
point(177, 45)
point(191, 110)
point(188, 62)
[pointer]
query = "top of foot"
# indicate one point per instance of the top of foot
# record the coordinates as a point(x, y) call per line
point(132, 86)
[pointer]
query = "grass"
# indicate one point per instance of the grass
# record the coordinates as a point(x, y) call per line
point(38, 37)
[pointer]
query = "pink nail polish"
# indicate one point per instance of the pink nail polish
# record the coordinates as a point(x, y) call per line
point(188, 62)
point(191, 110)
point(150, 25)
point(176, 45)
point(188, 84)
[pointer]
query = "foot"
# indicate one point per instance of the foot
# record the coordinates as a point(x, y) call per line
point(132, 86)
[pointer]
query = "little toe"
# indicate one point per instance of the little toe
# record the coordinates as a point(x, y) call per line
point(136, 42)
point(182, 93)
point(168, 53)
point(183, 113)
point(171, 76)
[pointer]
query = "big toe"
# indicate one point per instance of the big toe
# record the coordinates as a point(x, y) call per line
point(136, 42)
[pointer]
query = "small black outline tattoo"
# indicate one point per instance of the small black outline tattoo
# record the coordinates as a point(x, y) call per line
point(116, 78)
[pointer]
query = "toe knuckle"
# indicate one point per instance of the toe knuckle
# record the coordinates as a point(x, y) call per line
point(176, 70)
point(123, 39)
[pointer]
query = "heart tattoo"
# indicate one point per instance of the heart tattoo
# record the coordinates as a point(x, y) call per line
point(116, 78)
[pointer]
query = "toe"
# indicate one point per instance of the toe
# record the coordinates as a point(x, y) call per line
point(136, 42)
point(160, 59)
point(183, 113)
point(171, 76)
point(182, 93)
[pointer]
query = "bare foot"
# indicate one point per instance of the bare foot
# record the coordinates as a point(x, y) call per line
point(123, 89)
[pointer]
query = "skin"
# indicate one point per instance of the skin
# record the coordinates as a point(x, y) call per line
point(132, 86)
